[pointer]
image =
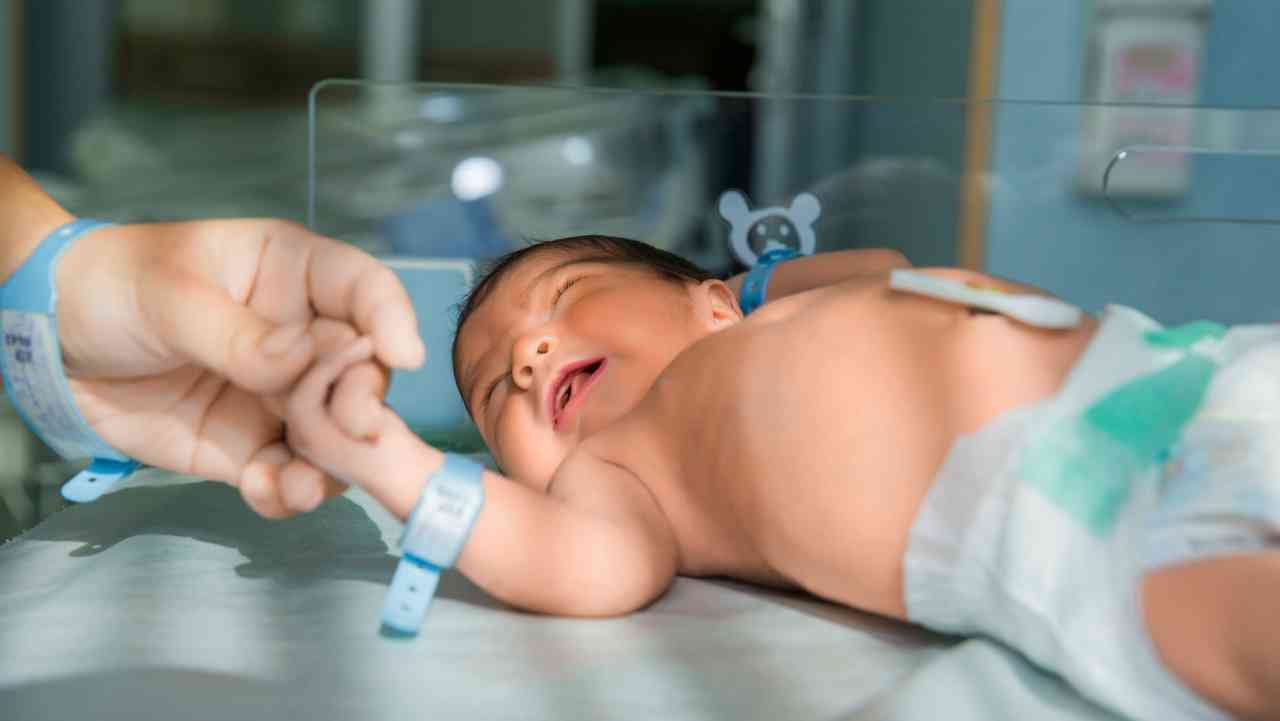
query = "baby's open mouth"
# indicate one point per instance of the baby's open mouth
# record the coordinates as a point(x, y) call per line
point(573, 382)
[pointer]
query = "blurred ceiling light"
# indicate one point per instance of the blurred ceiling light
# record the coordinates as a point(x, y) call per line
point(476, 177)
point(442, 109)
point(578, 150)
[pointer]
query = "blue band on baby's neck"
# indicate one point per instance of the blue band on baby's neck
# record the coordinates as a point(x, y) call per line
point(755, 286)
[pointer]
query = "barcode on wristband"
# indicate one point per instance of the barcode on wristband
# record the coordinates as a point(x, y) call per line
point(32, 369)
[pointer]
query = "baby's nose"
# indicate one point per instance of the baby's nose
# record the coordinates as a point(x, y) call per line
point(531, 353)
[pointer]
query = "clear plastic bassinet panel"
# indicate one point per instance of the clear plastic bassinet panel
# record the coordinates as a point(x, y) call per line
point(1169, 209)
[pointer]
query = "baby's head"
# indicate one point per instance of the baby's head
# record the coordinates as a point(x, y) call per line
point(562, 338)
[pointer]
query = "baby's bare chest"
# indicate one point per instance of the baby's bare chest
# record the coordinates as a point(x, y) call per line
point(798, 452)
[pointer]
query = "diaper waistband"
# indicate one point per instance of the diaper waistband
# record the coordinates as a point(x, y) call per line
point(1117, 354)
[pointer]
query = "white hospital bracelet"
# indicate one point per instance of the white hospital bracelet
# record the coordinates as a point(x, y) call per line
point(31, 364)
point(433, 538)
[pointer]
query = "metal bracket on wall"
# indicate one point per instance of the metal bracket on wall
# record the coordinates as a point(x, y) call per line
point(1137, 209)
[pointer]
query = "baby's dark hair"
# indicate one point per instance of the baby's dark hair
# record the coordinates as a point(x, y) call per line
point(601, 248)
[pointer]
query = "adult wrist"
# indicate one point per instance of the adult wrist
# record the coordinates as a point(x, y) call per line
point(27, 216)
point(35, 378)
point(97, 288)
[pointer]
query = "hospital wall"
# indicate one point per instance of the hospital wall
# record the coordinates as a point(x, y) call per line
point(1040, 230)
point(8, 79)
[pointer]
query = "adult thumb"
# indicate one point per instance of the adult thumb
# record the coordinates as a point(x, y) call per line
point(211, 329)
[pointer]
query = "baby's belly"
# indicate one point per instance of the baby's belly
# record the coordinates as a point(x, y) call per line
point(836, 443)
point(834, 485)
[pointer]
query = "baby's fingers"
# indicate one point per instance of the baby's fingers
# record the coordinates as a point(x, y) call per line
point(330, 336)
point(311, 394)
point(311, 430)
point(356, 401)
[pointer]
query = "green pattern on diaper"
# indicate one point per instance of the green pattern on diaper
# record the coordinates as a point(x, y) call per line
point(1085, 464)
point(1082, 471)
point(1185, 336)
point(1146, 415)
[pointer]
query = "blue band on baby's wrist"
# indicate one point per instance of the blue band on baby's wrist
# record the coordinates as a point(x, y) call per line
point(34, 378)
point(756, 285)
point(433, 538)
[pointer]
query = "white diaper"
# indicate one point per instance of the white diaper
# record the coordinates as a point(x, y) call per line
point(1162, 446)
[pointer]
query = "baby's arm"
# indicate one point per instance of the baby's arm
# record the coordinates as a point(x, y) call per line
point(816, 271)
point(597, 544)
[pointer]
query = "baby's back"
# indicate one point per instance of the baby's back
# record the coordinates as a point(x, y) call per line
point(795, 448)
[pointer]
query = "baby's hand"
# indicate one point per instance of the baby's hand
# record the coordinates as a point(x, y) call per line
point(334, 416)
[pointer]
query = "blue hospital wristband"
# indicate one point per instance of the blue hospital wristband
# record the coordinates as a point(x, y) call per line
point(756, 285)
point(433, 538)
point(34, 378)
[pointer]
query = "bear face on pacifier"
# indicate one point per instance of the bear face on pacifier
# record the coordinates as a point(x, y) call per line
point(754, 233)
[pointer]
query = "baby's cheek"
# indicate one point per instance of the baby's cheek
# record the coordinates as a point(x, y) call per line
point(509, 444)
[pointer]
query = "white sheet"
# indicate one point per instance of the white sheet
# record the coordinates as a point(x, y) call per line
point(169, 599)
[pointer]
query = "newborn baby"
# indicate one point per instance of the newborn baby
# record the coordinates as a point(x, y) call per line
point(885, 451)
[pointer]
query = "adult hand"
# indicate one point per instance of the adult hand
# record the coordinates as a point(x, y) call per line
point(180, 339)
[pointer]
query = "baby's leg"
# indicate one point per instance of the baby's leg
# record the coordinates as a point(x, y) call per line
point(1216, 624)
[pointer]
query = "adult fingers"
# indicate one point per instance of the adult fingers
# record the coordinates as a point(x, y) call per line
point(258, 482)
point(345, 283)
point(329, 336)
point(276, 484)
point(332, 336)
point(204, 324)
point(302, 486)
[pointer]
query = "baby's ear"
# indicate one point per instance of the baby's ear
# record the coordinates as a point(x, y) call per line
point(717, 304)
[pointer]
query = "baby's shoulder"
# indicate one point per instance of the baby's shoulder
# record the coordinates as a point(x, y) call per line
point(601, 470)
point(869, 292)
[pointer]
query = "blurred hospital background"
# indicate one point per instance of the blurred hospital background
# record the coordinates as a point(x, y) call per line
point(1107, 150)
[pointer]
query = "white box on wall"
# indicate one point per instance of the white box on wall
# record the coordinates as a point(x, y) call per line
point(1144, 56)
